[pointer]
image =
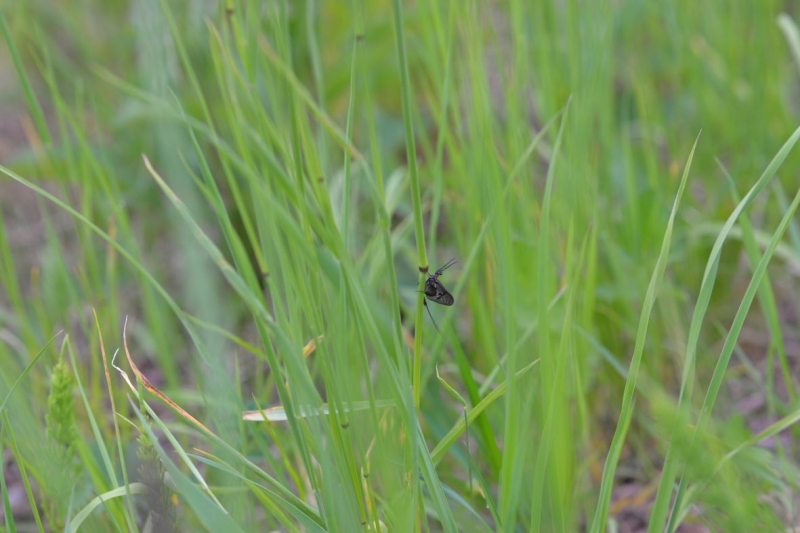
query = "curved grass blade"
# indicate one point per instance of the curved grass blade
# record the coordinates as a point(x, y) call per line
point(8, 514)
point(660, 507)
point(119, 492)
point(216, 462)
point(626, 410)
point(730, 343)
point(110, 469)
point(212, 515)
point(278, 413)
point(27, 371)
point(452, 436)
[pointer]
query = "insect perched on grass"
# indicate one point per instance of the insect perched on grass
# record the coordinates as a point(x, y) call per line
point(435, 291)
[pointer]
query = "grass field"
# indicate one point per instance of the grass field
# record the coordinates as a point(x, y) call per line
point(235, 202)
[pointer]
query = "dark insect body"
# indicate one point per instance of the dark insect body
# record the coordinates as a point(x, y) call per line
point(435, 291)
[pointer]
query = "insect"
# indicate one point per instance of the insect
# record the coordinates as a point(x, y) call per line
point(435, 291)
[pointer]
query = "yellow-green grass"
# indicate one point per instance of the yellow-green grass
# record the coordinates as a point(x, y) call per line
point(258, 189)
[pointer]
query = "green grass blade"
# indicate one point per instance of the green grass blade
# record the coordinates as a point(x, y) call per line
point(731, 340)
point(203, 502)
point(661, 505)
point(307, 523)
point(30, 96)
point(100, 447)
point(626, 409)
point(27, 370)
point(411, 155)
point(8, 514)
point(452, 436)
point(119, 492)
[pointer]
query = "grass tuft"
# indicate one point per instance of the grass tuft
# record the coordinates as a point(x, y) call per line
point(262, 187)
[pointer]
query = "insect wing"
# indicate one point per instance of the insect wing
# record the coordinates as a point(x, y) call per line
point(444, 298)
point(436, 292)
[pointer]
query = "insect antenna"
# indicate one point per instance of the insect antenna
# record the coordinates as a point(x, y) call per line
point(446, 266)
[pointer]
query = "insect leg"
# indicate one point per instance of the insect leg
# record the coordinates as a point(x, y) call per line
point(425, 302)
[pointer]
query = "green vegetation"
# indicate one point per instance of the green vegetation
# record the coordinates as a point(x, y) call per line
point(235, 204)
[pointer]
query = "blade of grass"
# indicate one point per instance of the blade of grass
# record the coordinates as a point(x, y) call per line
point(34, 105)
point(411, 156)
point(127, 512)
point(452, 436)
point(511, 474)
point(382, 206)
point(626, 409)
point(658, 513)
point(730, 344)
point(27, 371)
point(766, 299)
point(204, 504)
point(480, 240)
point(101, 499)
point(553, 437)
point(8, 513)
point(216, 462)
point(147, 275)
point(32, 501)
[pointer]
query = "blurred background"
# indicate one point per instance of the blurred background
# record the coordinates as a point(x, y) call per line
point(543, 146)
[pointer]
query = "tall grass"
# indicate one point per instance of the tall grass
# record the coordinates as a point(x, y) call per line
point(258, 191)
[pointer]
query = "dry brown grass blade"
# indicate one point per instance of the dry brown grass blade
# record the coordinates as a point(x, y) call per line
point(311, 345)
point(149, 386)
